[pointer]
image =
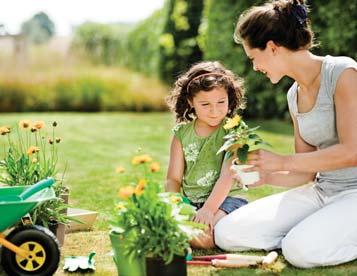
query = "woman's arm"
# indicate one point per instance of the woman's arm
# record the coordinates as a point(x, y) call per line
point(176, 167)
point(339, 156)
point(290, 178)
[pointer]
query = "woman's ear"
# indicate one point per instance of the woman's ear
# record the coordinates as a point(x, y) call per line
point(272, 46)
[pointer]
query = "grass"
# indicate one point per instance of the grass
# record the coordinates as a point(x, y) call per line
point(95, 144)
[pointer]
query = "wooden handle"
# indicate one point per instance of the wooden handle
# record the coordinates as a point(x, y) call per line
point(239, 257)
point(270, 258)
point(233, 263)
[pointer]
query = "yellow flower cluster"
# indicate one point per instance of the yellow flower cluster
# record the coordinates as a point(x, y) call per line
point(140, 159)
point(37, 125)
point(128, 191)
point(232, 122)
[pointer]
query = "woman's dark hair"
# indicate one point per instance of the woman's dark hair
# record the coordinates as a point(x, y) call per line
point(283, 21)
point(205, 76)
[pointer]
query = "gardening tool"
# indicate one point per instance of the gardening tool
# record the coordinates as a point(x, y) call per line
point(80, 263)
point(28, 249)
point(234, 260)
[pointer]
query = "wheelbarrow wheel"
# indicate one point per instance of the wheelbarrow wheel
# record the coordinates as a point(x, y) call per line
point(43, 247)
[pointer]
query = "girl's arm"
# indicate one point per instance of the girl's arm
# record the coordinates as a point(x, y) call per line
point(176, 167)
point(339, 156)
point(219, 193)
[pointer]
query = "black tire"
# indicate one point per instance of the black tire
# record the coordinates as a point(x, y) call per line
point(36, 238)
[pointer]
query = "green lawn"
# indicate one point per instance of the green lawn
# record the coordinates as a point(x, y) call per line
point(95, 144)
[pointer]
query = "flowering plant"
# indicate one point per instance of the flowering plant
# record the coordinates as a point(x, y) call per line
point(240, 139)
point(154, 223)
point(29, 156)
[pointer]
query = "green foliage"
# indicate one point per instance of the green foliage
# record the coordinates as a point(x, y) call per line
point(337, 34)
point(140, 50)
point(39, 29)
point(30, 156)
point(99, 42)
point(81, 89)
point(178, 42)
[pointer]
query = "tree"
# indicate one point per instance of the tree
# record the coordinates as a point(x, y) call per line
point(39, 29)
point(178, 43)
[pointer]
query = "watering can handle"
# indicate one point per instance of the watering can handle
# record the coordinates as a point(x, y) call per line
point(48, 182)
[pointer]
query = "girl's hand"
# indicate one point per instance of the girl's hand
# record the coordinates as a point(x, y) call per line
point(205, 216)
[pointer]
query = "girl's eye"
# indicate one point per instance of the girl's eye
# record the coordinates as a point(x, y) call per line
point(221, 102)
point(204, 104)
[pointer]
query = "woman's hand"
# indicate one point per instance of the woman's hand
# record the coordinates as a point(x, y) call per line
point(263, 160)
point(205, 216)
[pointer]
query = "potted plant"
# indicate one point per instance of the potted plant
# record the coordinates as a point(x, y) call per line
point(30, 155)
point(154, 228)
point(238, 142)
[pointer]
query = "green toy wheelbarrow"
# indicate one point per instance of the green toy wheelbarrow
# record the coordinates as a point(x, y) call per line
point(27, 249)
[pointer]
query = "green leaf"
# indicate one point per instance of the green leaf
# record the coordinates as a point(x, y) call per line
point(242, 154)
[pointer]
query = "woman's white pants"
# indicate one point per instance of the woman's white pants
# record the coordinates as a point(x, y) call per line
point(311, 228)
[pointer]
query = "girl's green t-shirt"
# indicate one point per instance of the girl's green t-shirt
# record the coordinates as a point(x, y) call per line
point(202, 163)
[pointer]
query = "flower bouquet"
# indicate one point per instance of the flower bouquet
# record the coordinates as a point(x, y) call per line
point(238, 142)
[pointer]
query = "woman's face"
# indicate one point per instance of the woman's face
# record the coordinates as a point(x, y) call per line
point(265, 61)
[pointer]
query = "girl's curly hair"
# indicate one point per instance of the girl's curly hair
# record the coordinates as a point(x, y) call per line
point(205, 76)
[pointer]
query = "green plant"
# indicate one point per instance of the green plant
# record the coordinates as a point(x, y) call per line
point(155, 224)
point(240, 139)
point(28, 157)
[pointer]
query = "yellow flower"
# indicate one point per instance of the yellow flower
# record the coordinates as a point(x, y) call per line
point(232, 122)
point(140, 159)
point(34, 160)
point(126, 192)
point(119, 169)
point(176, 199)
point(50, 141)
point(25, 123)
point(39, 124)
point(58, 139)
point(139, 189)
point(155, 167)
point(31, 150)
point(121, 206)
point(4, 130)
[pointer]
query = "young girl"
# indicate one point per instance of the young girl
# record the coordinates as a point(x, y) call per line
point(202, 99)
point(315, 224)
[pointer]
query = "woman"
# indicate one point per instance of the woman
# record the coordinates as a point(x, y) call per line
point(314, 224)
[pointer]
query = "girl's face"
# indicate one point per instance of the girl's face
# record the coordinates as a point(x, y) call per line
point(265, 61)
point(211, 107)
